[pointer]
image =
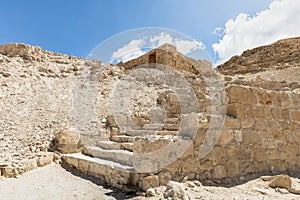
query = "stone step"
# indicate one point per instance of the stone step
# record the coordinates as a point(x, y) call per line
point(122, 138)
point(172, 120)
point(140, 132)
point(171, 127)
point(113, 173)
point(121, 156)
point(135, 133)
point(167, 132)
point(111, 145)
point(153, 126)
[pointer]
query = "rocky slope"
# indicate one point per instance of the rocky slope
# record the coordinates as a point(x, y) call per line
point(280, 55)
point(39, 91)
point(275, 66)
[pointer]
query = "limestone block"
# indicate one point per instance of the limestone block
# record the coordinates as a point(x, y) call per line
point(232, 167)
point(295, 115)
point(232, 123)
point(287, 101)
point(66, 141)
point(219, 171)
point(10, 172)
point(189, 165)
point(269, 144)
point(164, 177)
point(247, 123)
point(45, 159)
point(261, 125)
point(276, 155)
point(121, 176)
point(238, 136)
point(285, 115)
point(149, 182)
point(73, 162)
point(276, 99)
point(243, 95)
point(279, 135)
point(84, 165)
point(251, 136)
point(275, 112)
point(274, 125)
point(98, 170)
point(259, 112)
point(243, 152)
point(246, 167)
point(30, 165)
point(264, 97)
point(207, 165)
point(235, 110)
point(249, 112)
point(259, 153)
point(281, 181)
point(226, 137)
point(291, 154)
point(217, 155)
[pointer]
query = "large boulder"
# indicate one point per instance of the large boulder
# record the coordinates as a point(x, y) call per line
point(67, 141)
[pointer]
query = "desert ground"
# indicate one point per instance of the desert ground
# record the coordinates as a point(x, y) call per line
point(54, 182)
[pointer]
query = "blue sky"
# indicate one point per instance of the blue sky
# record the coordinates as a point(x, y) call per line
point(76, 27)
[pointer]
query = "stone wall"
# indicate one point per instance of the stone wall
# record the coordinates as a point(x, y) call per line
point(261, 133)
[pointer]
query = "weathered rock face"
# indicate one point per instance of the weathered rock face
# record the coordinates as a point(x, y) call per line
point(39, 93)
point(280, 55)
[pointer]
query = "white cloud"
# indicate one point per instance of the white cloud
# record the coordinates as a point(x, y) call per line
point(136, 48)
point(186, 47)
point(280, 20)
point(219, 31)
point(131, 50)
point(183, 46)
point(161, 39)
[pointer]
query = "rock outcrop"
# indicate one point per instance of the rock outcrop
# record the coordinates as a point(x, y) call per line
point(280, 55)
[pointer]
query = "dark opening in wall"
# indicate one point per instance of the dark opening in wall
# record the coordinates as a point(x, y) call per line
point(152, 58)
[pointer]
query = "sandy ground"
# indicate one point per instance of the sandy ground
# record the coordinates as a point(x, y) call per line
point(54, 182)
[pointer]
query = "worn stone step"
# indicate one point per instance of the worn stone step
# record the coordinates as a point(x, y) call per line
point(135, 133)
point(122, 138)
point(113, 173)
point(171, 127)
point(172, 120)
point(140, 132)
point(153, 126)
point(167, 132)
point(110, 145)
point(121, 156)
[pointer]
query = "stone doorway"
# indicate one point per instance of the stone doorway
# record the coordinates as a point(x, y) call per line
point(152, 58)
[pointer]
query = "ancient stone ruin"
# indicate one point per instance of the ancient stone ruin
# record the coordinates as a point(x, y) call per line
point(159, 117)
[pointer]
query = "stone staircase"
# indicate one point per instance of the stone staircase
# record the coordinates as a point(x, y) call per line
point(112, 161)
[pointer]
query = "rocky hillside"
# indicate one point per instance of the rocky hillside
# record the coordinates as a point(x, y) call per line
point(38, 91)
point(279, 55)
